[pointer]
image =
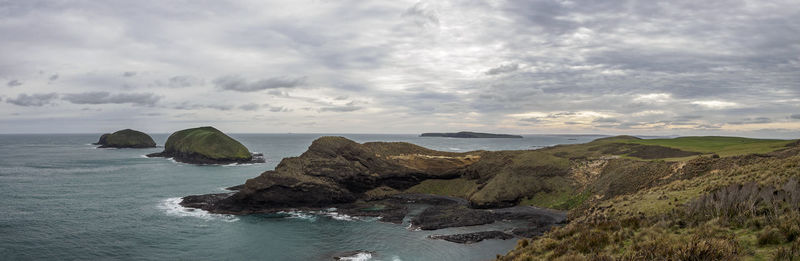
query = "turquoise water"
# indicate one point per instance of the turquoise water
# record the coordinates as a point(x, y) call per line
point(61, 198)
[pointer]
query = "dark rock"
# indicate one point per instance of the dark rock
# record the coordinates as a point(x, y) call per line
point(438, 217)
point(126, 138)
point(235, 188)
point(475, 237)
point(336, 171)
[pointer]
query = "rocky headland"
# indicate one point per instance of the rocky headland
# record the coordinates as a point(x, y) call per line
point(206, 145)
point(126, 138)
point(532, 188)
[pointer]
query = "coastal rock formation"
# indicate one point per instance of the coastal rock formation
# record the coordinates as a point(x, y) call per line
point(474, 237)
point(206, 145)
point(126, 138)
point(335, 170)
point(468, 134)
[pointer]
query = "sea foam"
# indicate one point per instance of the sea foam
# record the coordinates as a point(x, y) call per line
point(172, 207)
point(360, 256)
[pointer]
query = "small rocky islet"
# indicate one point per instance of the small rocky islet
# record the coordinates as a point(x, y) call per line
point(206, 145)
point(126, 138)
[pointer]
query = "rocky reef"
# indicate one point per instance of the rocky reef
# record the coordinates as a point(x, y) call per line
point(469, 134)
point(206, 145)
point(126, 138)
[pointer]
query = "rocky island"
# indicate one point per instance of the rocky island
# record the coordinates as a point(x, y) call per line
point(206, 145)
point(467, 134)
point(126, 138)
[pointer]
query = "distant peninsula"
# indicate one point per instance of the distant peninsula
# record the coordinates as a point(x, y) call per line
point(468, 134)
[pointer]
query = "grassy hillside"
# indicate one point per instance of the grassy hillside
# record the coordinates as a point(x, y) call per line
point(723, 146)
point(739, 207)
point(208, 142)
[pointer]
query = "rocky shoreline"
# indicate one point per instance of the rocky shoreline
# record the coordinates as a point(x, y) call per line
point(440, 212)
point(367, 180)
point(198, 159)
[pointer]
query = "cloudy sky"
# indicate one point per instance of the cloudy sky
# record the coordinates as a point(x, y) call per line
point(337, 66)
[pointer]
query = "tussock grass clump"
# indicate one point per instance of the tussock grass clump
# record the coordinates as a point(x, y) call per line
point(788, 253)
point(742, 204)
point(770, 236)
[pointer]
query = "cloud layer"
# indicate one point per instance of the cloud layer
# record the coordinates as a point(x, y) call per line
point(638, 67)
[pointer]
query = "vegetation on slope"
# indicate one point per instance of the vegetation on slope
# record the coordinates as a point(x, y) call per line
point(723, 146)
point(739, 207)
point(126, 138)
point(207, 142)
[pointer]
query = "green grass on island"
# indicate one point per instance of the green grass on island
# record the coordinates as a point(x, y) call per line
point(208, 142)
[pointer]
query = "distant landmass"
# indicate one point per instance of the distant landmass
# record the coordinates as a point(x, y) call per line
point(468, 134)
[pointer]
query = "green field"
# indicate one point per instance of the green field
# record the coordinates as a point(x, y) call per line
point(723, 146)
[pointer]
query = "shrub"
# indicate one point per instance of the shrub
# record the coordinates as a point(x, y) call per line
point(591, 241)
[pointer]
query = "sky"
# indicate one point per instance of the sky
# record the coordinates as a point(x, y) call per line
point(339, 66)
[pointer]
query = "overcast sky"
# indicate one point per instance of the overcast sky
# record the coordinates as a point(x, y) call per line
point(613, 67)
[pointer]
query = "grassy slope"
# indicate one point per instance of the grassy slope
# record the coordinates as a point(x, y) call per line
point(128, 137)
point(540, 178)
point(723, 146)
point(654, 220)
point(207, 141)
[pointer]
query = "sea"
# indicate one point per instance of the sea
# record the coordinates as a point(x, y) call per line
point(62, 198)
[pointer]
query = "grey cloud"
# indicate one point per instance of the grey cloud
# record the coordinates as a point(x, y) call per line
point(188, 106)
point(53, 77)
point(240, 84)
point(506, 68)
point(128, 74)
point(422, 14)
point(14, 83)
point(182, 81)
point(33, 100)
point(605, 120)
point(346, 108)
point(752, 121)
point(279, 109)
point(795, 116)
point(532, 120)
point(147, 99)
point(250, 107)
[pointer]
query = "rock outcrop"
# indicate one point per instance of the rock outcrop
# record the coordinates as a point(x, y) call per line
point(126, 138)
point(335, 170)
point(206, 145)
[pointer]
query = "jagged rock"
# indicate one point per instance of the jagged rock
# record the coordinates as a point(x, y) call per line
point(475, 237)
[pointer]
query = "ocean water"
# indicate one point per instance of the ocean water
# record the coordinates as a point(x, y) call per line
point(61, 198)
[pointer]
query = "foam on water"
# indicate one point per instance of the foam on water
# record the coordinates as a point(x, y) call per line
point(172, 207)
point(299, 215)
point(360, 256)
